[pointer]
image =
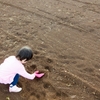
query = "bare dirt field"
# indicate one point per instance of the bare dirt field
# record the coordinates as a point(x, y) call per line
point(65, 38)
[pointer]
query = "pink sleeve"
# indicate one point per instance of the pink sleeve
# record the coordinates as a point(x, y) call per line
point(25, 74)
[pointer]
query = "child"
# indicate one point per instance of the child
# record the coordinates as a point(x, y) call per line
point(13, 67)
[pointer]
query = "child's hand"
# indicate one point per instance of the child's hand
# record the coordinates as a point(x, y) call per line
point(39, 75)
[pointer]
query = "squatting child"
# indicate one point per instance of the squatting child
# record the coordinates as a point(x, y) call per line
point(13, 67)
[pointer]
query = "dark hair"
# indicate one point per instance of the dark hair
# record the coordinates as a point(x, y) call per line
point(25, 53)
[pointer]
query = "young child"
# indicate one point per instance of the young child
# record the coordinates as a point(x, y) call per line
point(13, 67)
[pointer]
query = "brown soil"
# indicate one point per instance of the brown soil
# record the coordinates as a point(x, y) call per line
point(65, 38)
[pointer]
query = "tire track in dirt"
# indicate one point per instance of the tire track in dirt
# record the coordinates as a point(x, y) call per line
point(90, 6)
point(56, 18)
point(8, 4)
point(51, 38)
point(87, 2)
point(84, 84)
point(19, 38)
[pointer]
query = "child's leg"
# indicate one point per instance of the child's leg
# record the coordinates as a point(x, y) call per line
point(16, 78)
point(13, 87)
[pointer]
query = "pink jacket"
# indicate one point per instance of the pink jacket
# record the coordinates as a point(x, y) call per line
point(10, 67)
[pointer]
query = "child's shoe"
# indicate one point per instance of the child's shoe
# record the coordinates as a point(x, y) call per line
point(14, 89)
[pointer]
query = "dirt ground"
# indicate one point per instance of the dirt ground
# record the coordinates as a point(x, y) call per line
point(65, 38)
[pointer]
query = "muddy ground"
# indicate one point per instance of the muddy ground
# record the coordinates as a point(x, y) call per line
point(65, 38)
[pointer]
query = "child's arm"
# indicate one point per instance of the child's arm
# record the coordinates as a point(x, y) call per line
point(25, 74)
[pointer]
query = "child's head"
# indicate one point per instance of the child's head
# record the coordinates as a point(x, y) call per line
point(25, 53)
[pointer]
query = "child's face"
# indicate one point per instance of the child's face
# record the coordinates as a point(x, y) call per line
point(24, 61)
